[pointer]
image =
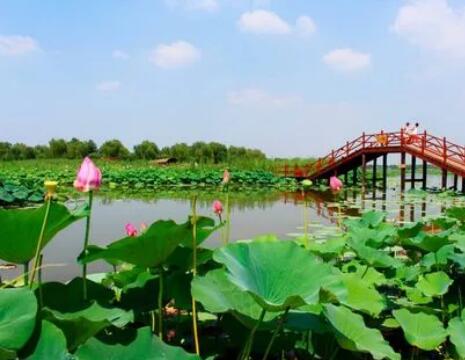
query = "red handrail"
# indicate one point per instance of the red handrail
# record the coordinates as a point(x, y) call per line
point(434, 149)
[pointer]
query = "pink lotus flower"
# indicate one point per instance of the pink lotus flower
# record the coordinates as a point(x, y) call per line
point(217, 207)
point(130, 229)
point(335, 184)
point(226, 177)
point(89, 176)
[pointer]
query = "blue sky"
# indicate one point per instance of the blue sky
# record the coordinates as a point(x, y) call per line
point(291, 77)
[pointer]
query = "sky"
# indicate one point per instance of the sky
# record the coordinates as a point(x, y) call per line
point(290, 77)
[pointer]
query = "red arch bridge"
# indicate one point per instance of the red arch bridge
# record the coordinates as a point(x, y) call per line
point(369, 148)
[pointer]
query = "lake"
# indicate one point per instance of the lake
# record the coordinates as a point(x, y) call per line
point(251, 214)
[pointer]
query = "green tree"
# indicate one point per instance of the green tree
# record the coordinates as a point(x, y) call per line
point(20, 151)
point(42, 151)
point(5, 149)
point(181, 151)
point(58, 148)
point(146, 150)
point(77, 149)
point(114, 149)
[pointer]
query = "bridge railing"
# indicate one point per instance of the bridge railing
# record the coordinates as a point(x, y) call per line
point(441, 149)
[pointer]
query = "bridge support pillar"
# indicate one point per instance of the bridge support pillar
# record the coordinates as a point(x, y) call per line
point(444, 179)
point(424, 175)
point(456, 182)
point(346, 179)
point(402, 171)
point(374, 176)
point(413, 171)
point(364, 171)
point(384, 172)
point(354, 177)
point(463, 185)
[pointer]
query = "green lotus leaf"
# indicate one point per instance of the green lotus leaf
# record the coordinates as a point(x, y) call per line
point(409, 230)
point(434, 284)
point(369, 274)
point(440, 257)
point(331, 246)
point(218, 295)
point(374, 257)
point(416, 296)
point(81, 325)
point(21, 229)
point(428, 242)
point(421, 330)
point(352, 333)
point(277, 274)
point(456, 213)
point(51, 344)
point(144, 345)
point(456, 331)
point(154, 246)
point(362, 296)
point(18, 308)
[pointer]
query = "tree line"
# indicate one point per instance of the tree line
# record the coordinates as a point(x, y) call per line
point(201, 152)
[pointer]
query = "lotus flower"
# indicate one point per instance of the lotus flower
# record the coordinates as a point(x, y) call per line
point(335, 184)
point(130, 229)
point(226, 177)
point(89, 176)
point(217, 207)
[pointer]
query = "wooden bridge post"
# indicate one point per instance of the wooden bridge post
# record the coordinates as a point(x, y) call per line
point(384, 172)
point(364, 170)
point(463, 185)
point(456, 182)
point(346, 179)
point(413, 171)
point(375, 168)
point(354, 177)
point(402, 171)
point(444, 179)
point(424, 175)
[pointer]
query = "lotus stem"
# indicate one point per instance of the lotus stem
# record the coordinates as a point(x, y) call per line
point(460, 300)
point(194, 273)
point(305, 225)
point(249, 343)
point(276, 331)
point(160, 304)
point(41, 298)
point(228, 219)
point(40, 241)
point(153, 322)
point(26, 273)
point(86, 243)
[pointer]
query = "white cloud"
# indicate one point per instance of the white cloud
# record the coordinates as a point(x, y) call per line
point(347, 60)
point(258, 97)
point(175, 55)
point(263, 22)
point(120, 54)
point(434, 25)
point(108, 86)
point(305, 26)
point(204, 5)
point(12, 45)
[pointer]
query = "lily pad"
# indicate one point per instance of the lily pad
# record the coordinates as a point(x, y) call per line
point(278, 275)
point(352, 333)
point(144, 345)
point(421, 330)
point(21, 229)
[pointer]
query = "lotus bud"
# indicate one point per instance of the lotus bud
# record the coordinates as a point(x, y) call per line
point(51, 188)
point(226, 177)
point(89, 176)
point(217, 207)
point(335, 184)
point(130, 229)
